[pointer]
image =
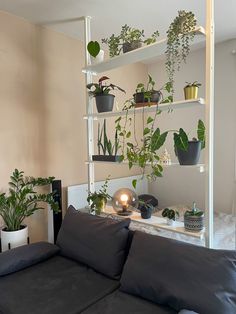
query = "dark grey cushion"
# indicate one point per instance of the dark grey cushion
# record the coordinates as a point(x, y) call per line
point(181, 275)
point(25, 256)
point(123, 303)
point(56, 286)
point(95, 241)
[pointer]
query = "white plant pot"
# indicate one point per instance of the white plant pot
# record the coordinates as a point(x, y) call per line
point(170, 222)
point(15, 238)
point(99, 58)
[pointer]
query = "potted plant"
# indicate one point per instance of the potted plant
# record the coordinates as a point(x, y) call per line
point(188, 152)
point(101, 92)
point(98, 200)
point(128, 40)
point(96, 53)
point(191, 90)
point(194, 219)
point(179, 35)
point(106, 150)
point(21, 202)
point(147, 95)
point(171, 215)
point(146, 208)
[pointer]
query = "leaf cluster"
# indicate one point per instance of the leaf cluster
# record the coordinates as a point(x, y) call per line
point(100, 88)
point(179, 35)
point(181, 139)
point(94, 198)
point(194, 84)
point(170, 214)
point(194, 212)
point(127, 35)
point(104, 144)
point(22, 200)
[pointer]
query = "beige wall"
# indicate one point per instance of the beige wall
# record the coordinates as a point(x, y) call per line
point(42, 104)
point(181, 186)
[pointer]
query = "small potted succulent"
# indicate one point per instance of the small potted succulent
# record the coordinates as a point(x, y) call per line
point(191, 90)
point(95, 51)
point(128, 40)
point(194, 219)
point(101, 92)
point(147, 95)
point(98, 200)
point(171, 216)
point(106, 150)
point(188, 152)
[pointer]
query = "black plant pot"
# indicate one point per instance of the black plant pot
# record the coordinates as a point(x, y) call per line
point(111, 158)
point(191, 156)
point(104, 103)
point(131, 46)
point(155, 97)
point(146, 212)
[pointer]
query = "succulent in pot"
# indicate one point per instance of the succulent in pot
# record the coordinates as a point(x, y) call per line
point(171, 215)
point(188, 152)
point(21, 202)
point(101, 92)
point(98, 200)
point(194, 219)
point(129, 39)
point(191, 90)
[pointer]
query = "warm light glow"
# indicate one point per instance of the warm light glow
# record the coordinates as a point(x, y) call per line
point(124, 198)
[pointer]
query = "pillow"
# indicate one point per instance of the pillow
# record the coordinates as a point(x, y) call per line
point(181, 275)
point(25, 256)
point(95, 241)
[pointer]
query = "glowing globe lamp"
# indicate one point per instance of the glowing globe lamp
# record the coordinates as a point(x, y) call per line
point(124, 200)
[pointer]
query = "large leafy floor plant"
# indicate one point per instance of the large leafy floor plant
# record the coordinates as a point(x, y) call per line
point(22, 200)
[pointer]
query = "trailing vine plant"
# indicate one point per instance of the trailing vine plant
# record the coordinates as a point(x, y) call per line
point(179, 35)
point(143, 153)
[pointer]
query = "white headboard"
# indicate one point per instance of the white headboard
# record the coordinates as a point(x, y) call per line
point(77, 194)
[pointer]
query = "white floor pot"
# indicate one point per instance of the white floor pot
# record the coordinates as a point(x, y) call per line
point(14, 238)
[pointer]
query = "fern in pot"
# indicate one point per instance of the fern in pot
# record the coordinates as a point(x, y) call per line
point(21, 202)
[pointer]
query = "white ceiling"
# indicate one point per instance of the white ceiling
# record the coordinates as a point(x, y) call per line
point(109, 15)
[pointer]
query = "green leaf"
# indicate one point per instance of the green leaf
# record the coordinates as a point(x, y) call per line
point(134, 183)
point(93, 48)
point(150, 120)
point(201, 133)
point(158, 139)
point(128, 134)
point(121, 158)
point(181, 140)
point(146, 131)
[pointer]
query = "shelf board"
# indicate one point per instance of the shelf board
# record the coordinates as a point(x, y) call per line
point(163, 107)
point(156, 222)
point(138, 55)
point(201, 167)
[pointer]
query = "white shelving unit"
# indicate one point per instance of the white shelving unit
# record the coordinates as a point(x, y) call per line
point(206, 35)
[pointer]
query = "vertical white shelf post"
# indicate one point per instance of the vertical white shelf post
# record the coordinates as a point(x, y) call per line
point(89, 103)
point(209, 117)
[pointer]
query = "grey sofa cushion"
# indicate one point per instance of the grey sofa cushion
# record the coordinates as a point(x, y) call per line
point(123, 303)
point(56, 286)
point(25, 256)
point(95, 241)
point(181, 275)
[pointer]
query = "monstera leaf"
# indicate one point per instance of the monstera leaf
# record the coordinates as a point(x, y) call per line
point(93, 48)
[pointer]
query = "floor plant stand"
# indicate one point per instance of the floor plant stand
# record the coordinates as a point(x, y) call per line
point(157, 49)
